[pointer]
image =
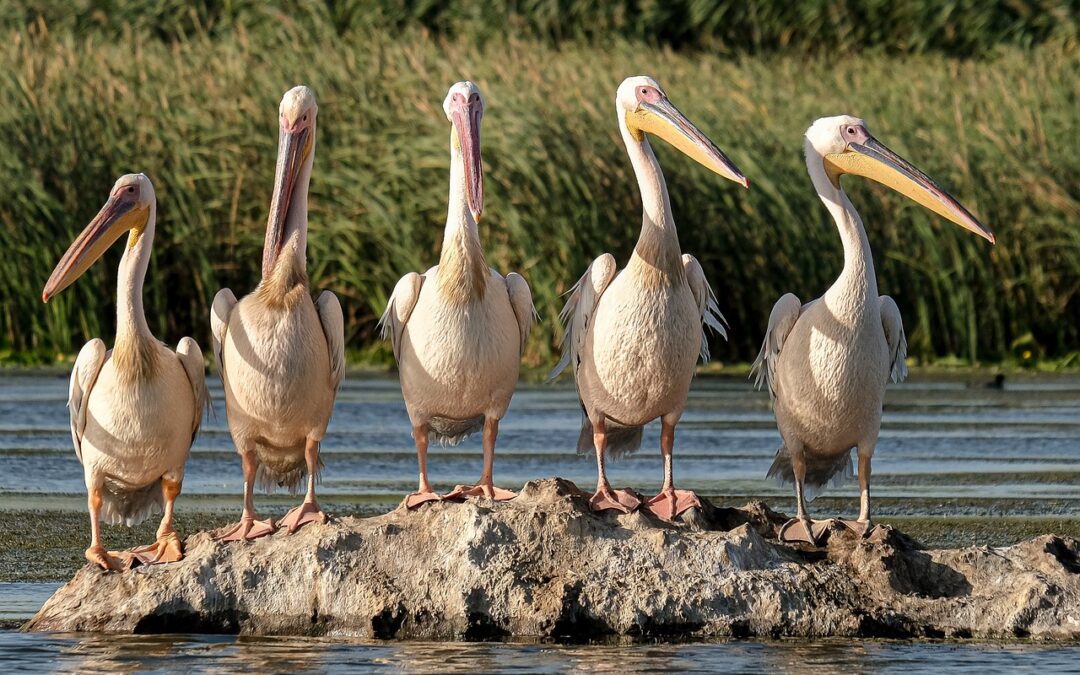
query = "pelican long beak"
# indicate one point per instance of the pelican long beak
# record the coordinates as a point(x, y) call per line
point(664, 120)
point(294, 146)
point(873, 160)
point(119, 215)
point(466, 120)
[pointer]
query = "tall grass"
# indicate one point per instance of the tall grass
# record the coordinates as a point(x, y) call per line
point(198, 115)
point(966, 28)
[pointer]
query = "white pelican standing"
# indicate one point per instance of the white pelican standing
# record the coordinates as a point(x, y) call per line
point(827, 362)
point(135, 409)
point(459, 329)
point(633, 338)
point(280, 355)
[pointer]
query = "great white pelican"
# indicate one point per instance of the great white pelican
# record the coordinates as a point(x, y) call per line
point(633, 337)
point(459, 329)
point(135, 409)
point(827, 362)
point(280, 355)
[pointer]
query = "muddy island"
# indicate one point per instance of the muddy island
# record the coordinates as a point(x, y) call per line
point(545, 566)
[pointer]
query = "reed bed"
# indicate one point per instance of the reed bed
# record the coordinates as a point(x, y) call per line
point(197, 113)
point(963, 28)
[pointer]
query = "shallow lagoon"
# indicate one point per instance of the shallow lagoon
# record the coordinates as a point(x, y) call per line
point(958, 463)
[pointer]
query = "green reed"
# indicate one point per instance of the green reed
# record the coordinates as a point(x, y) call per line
point(197, 112)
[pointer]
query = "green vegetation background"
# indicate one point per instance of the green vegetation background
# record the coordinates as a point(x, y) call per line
point(984, 96)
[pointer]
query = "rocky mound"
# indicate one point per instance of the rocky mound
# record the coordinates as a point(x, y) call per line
point(544, 565)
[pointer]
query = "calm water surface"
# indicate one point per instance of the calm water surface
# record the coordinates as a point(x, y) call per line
point(1014, 450)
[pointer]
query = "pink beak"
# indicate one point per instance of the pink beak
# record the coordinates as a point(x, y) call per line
point(465, 116)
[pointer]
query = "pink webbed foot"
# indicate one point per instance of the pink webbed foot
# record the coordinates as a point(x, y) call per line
point(417, 499)
point(481, 490)
point(670, 504)
point(862, 528)
point(803, 530)
point(625, 500)
point(106, 560)
point(166, 549)
point(308, 512)
point(247, 529)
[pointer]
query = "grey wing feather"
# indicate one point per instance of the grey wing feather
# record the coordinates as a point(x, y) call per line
point(521, 300)
point(399, 308)
point(223, 305)
point(708, 309)
point(894, 335)
point(191, 358)
point(83, 376)
point(333, 325)
point(782, 319)
point(578, 311)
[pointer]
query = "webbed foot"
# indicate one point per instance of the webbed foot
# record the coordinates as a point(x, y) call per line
point(308, 512)
point(625, 500)
point(803, 530)
point(246, 529)
point(166, 549)
point(481, 490)
point(669, 504)
point(416, 499)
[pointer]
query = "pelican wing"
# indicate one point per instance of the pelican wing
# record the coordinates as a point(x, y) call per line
point(333, 325)
point(83, 376)
point(578, 311)
point(400, 307)
point(782, 319)
point(522, 302)
point(191, 358)
point(223, 305)
point(708, 309)
point(894, 335)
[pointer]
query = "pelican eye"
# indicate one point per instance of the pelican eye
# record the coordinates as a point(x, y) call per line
point(131, 188)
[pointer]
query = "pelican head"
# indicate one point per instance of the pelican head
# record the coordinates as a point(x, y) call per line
point(644, 108)
point(127, 210)
point(296, 141)
point(464, 107)
point(844, 145)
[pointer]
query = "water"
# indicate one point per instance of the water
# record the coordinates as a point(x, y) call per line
point(170, 653)
point(954, 455)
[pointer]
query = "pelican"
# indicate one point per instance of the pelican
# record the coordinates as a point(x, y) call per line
point(280, 355)
point(459, 329)
point(633, 337)
point(827, 362)
point(135, 409)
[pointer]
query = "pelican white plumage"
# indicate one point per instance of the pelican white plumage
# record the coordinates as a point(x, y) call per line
point(135, 409)
point(633, 337)
point(459, 329)
point(827, 362)
point(280, 355)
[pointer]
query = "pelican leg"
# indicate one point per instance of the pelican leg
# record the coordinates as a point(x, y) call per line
point(863, 526)
point(248, 527)
point(424, 493)
point(606, 497)
point(801, 528)
point(670, 502)
point(486, 486)
point(97, 554)
point(167, 548)
point(309, 511)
